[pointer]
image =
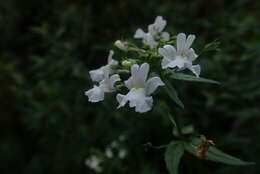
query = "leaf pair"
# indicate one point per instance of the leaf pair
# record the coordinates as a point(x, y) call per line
point(215, 154)
point(175, 151)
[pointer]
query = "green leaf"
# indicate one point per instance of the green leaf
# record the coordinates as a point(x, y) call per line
point(185, 130)
point(173, 94)
point(181, 76)
point(215, 154)
point(173, 155)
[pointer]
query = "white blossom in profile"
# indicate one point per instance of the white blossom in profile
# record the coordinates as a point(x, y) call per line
point(109, 152)
point(99, 74)
point(97, 93)
point(182, 56)
point(114, 144)
point(122, 153)
point(140, 89)
point(122, 138)
point(155, 33)
point(94, 163)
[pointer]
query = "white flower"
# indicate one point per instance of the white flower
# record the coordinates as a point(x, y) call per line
point(156, 29)
point(140, 89)
point(146, 37)
point(122, 153)
point(99, 74)
point(155, 33)
point(121, 45)
point(114, 144)
point(182, 57)
point(96, 94)
point(94, 163)
point(122, 138)
point(109, 153)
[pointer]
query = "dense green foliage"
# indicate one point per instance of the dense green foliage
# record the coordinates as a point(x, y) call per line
point(47, 49)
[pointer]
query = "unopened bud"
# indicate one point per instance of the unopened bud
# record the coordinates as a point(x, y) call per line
point(121, 45)
point(127, 63)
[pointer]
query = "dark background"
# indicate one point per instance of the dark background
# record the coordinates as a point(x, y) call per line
point(47, 48)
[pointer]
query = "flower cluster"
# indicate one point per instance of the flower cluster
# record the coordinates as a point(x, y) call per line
point(93, 163)
point(115, 149)
point(155, 33)
point(140, 85)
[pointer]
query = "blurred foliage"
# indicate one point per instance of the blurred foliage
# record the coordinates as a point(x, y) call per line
point(46, 49)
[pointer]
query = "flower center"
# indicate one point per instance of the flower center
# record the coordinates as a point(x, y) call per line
point(135, 89)
point(103, 83)
point(182, 55)
point(138, 90)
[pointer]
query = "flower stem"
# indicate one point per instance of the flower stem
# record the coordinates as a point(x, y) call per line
point(176, 124)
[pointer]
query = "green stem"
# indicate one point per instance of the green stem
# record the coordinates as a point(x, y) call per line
point(150, 145)
point(176, 124)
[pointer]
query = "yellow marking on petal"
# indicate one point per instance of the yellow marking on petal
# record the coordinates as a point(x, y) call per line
point(136, 89)
point(182, 55)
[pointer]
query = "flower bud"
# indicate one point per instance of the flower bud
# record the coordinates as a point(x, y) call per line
point(127, 63)
point(121, 45)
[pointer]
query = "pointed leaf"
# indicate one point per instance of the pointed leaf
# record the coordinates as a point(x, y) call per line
point(173, 94)
point(181, 76)
point(185, 130)
point(173, 155)
point(215, 154)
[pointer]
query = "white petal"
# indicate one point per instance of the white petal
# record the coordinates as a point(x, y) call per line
point(192, 55)
point(129, 83)
point(122, 153)
point(167, 51)
point(139, 34)
point(138, 99)
point(149, 40)
point(152, 30)
point(107, 85)
point(195, 69)
point(109, 153)
point(165, 36)
point(143, 73)
point(144, 105)
point(135, 95)
point(181, 40)
point(152, 84)
point(187, 64)
point(111, 61)
point(114, 78)
point(139, 76)
point(122, 100)
point(97, 75)
point(110, 56)
point(179, 62)
point(189, 41)
point(134, 69)
point(165, 62)
point(159, 23)
point(94, 163)
point(106, 70)
point(95, 94)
